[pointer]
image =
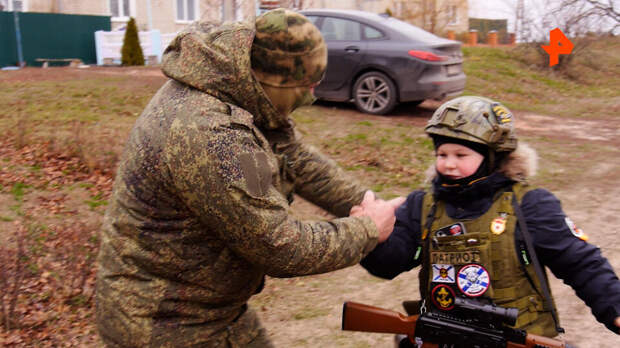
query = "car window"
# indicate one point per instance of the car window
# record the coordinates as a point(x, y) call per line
point(312, 19)
point(372, 33)
point(340, 29)
point(411, 30)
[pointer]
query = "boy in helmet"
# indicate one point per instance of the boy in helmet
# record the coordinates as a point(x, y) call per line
point(481, 232)
point(200, 209)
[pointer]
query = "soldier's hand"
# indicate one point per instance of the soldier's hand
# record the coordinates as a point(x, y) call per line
point(380, 212)
point(617, 322)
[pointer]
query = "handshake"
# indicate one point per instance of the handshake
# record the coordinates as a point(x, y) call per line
point(379, 211)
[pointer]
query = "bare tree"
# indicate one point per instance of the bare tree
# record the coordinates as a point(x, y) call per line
point(583, 22)
point(576, 18)
point(519, 14)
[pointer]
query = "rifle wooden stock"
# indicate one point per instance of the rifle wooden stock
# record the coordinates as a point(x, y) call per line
point(535, 341)
point(361, 317)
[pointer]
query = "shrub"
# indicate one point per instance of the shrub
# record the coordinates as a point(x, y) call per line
point(131, 53)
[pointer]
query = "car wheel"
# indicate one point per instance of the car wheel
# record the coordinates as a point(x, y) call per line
point(374, 93)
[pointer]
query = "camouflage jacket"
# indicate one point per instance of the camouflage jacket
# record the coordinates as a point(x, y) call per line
point(200, 209)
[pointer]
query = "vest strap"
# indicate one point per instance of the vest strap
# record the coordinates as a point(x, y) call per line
point(537, 267)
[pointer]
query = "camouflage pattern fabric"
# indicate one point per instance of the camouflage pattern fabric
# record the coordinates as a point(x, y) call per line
point(287, 99)
point(200, 209)
point(288, 50)
point(288, 57)
point(476, 119)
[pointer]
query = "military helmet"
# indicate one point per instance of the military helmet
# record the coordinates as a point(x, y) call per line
point(288, 50)
point(476, 119)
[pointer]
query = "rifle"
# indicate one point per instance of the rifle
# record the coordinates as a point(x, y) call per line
point(474, 325)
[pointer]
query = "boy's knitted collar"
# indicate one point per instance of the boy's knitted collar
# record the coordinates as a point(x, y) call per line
point(462, 194)
point(445, 184)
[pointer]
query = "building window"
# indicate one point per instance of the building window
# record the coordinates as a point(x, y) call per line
point(13, 5)
point(120, 9)
point(186, 10)
point(453, 15)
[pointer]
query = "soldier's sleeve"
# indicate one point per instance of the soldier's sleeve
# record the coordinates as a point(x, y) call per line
point(224, 177)
point(319, 179)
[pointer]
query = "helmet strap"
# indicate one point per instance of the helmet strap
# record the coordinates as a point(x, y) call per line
point(491, 158)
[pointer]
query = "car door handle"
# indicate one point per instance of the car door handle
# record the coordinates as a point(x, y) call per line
point(352, 49)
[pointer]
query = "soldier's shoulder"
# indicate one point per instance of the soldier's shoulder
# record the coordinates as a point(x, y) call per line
point(192, 108)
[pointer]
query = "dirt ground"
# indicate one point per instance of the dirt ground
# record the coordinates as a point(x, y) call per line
point(306, 311)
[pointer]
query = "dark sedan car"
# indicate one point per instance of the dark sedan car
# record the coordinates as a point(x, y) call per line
point(377, 61)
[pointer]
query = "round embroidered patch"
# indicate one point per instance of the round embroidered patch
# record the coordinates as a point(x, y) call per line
point(473, 280)
point(443, 297)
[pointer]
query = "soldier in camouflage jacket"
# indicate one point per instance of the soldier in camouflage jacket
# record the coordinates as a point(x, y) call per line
point(200, 211)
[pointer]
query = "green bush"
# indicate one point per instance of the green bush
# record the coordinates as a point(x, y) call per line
point(131, 53)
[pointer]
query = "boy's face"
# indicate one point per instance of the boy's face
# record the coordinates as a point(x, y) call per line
point(456, 161)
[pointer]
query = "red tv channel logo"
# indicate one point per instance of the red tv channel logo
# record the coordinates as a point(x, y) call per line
point(558, 44)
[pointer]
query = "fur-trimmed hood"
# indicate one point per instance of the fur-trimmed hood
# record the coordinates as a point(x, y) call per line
point(520, 164)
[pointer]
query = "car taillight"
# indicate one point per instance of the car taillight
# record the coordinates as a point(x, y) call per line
point(426, 56)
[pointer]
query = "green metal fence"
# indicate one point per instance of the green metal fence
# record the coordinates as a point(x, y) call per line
point(49, 35)
point(8, 48)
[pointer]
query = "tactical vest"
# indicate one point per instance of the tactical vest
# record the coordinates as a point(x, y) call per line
point(478, 257)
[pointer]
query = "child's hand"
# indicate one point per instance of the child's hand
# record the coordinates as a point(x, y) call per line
point(617, 322)
point(381, 212)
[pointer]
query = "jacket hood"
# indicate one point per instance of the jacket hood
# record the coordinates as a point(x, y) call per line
point(215, 58)
point(519, 165)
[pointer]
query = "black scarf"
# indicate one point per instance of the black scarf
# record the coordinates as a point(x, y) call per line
point(475, 195)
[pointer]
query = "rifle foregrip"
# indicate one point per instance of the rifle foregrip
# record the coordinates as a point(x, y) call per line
point(361, 317)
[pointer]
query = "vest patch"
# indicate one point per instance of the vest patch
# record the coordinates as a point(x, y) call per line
point(443, 273)
point(501, 113)
point(473, 280)
point(576, 231)
point(443, 297)
point(455, 257)
point(257, 172)
point(498, 225)
point(456, 229)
